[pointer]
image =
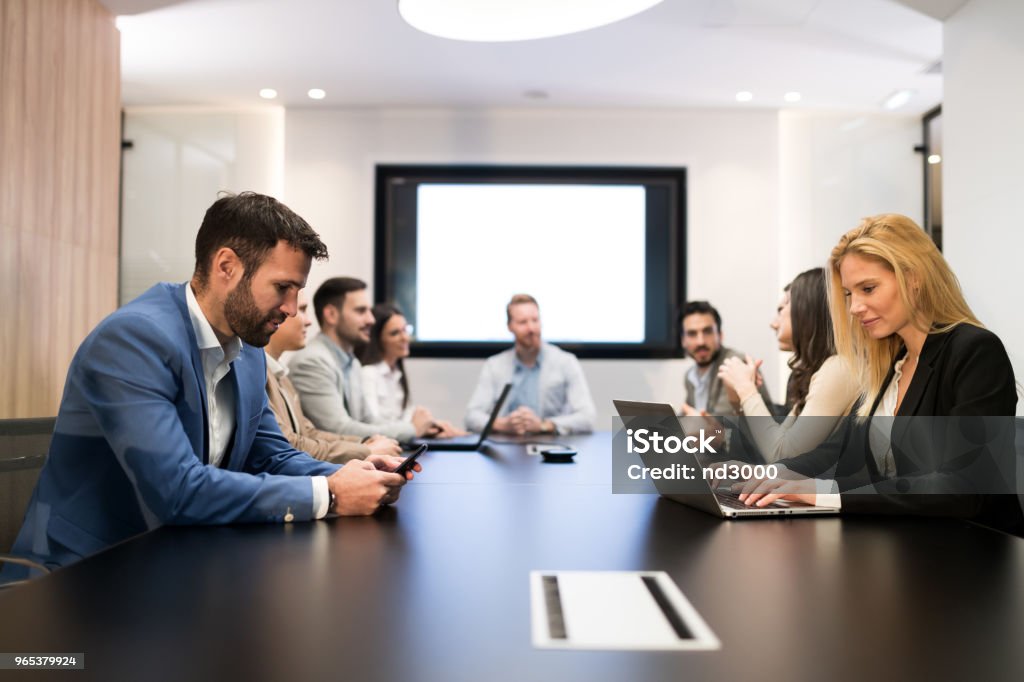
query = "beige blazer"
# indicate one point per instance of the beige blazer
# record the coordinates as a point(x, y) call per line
point(300, 432)
point(833, 391)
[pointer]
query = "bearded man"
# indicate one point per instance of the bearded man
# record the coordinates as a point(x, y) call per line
point(701, 337)
point(164, 418)
point(549, 391)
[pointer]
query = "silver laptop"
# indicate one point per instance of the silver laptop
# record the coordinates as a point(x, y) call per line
point(469, 442)
point(722, 503)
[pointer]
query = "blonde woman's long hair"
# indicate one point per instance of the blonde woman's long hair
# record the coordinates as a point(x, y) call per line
point(927, 287)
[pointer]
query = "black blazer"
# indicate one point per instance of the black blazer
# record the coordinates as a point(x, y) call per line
point(955, 457)
point(963, 372)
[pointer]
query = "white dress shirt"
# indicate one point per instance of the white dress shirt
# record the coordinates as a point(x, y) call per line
point(220, 395)
point(880, 437)
point(383, 394)
point(700, 377)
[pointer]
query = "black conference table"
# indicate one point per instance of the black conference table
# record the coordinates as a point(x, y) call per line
point(436, 588)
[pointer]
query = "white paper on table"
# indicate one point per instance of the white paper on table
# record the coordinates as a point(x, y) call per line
point(615, 610)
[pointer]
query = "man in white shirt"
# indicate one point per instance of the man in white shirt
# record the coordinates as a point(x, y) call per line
point(549, 391)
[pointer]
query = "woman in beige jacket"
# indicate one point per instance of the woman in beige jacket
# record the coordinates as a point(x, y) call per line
point(822, 388)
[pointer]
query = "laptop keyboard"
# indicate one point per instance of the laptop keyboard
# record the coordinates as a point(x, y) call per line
point(731, 500)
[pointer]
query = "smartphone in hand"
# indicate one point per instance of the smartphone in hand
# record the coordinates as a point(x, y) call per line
point(407, 463)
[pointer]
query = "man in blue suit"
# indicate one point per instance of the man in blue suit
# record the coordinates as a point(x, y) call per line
point(164, 418)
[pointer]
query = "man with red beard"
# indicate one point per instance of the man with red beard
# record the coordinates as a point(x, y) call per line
point(164, 418)
point(549, 391)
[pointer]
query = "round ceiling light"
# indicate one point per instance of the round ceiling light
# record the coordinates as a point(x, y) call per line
point(508, 20)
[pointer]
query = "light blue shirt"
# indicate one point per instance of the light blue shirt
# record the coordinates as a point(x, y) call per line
point(562, 394)
point(525, 386)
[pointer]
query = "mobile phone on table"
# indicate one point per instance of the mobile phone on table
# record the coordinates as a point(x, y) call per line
point(407, 463)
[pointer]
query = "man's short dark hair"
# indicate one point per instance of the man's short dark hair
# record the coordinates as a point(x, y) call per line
point(516, 300)
point(702, 308)
point(333, 292)
point(251, 225)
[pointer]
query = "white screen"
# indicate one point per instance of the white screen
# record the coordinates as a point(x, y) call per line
point(578, 249)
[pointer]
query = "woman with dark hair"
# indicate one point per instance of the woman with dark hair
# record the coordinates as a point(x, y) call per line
point(821, 385)
point(385, 384)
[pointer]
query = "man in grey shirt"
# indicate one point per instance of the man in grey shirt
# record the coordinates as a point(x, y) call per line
point(702, 341)
point(549, 392)
point(328, 376)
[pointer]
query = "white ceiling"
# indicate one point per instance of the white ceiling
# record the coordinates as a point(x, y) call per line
point(840, 54)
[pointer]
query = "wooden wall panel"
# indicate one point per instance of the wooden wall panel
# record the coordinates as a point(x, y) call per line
point(60, 140)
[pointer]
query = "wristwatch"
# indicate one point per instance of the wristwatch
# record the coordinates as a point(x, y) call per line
point(331, 502)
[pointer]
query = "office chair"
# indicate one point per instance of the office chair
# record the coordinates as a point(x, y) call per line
point(24, 444)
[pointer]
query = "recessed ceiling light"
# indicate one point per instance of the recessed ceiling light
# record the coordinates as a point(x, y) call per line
point(268, 93)
point(506, 21)
point(535, 94)
point(316, 93)
point(744, 96)
point(897, 99)
point(792, 97)
point(934, 159)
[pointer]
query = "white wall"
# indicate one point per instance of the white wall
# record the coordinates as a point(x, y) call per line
point(819, 172)
point(983, 172)
point(768, 196)
point(836, 168)
point(732, 170)
point(181, 157)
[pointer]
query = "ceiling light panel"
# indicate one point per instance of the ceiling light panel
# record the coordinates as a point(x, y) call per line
point(510, 20)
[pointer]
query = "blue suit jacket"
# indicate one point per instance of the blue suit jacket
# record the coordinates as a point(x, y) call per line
point(129, 450)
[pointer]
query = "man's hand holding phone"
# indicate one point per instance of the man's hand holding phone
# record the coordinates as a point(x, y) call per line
point(360, 487)
point(405, 467)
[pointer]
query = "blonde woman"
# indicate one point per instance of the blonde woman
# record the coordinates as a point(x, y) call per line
point(901, 322)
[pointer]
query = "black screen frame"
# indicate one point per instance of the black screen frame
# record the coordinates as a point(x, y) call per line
point(674, 178)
